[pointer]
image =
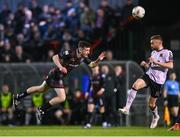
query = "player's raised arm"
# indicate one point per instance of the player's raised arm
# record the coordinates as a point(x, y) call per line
point(96, 62)
point(56, 61)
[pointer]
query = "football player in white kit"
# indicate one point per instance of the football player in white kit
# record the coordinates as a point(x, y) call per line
point(157, 67)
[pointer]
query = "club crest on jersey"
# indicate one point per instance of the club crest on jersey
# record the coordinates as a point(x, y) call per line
point(66, 52)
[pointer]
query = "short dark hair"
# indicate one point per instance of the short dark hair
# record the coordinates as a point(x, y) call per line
point(158, 37)
point(84, 44)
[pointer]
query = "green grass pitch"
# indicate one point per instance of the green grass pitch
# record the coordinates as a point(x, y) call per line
point(79, 131)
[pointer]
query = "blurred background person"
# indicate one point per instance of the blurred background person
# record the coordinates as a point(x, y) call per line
point(120, 89)
point(77, 107)
point(20, 55)
point(62, 113)
point(36, 101)
point(6, 111)
point(109, 95)
point(7, 52)
point(96, 98)
point(171, 96)
point(109, 55)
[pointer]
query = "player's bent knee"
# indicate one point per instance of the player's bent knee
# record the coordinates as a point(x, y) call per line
point(101, 109)
point(152, 105)
point(62, 98)
point(136, 87)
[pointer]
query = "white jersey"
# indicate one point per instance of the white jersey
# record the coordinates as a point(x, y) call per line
point(156, 72)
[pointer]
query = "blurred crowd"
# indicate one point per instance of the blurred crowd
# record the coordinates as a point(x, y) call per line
point(34, 33)
point(75, 109)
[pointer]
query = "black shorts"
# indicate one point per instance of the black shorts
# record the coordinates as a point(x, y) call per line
point(96, 101)
point(172, 101)
point(154, 87)
point(55, 78)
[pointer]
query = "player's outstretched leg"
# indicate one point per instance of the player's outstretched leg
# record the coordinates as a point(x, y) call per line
point(154, 109)
point(61, 96)
point(139, 84)
point(18, 97)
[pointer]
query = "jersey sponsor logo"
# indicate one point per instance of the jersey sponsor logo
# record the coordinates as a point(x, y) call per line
point(66, 52)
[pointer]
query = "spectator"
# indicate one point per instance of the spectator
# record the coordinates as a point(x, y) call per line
point(45, 13)
point(50, 55)
point(7, 52)
point(79, 36)
point(19, 19)
point(87, 20)
point(66, 46)
point(109, 55)
point(67, 37)
point(50, 34)
point(80, 7)
point(72, 20)
point(69, 5)
point(2, 32)
point(77, 107)
point(100, 20)
point(28, 15)
point(20, 39)
point(5, 14)
point(36, 10)
point(6, 111)
point(20, 56)
point(109, 12)
point(126, 14)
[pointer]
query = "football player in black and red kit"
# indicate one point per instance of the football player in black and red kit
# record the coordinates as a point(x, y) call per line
point(65, 62)
point(95, 97)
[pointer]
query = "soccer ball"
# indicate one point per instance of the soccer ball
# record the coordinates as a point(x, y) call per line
point(138, 12)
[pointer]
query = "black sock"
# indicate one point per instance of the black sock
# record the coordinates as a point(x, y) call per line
point(103, 117)
point(178, 119)
point(153, 110)
point(89, 117)
point(46, 106)
point(22, 95)
point(174, 118)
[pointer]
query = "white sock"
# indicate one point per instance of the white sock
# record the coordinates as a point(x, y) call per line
point(27, 118)
point(130, 98)
point(155, 111)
